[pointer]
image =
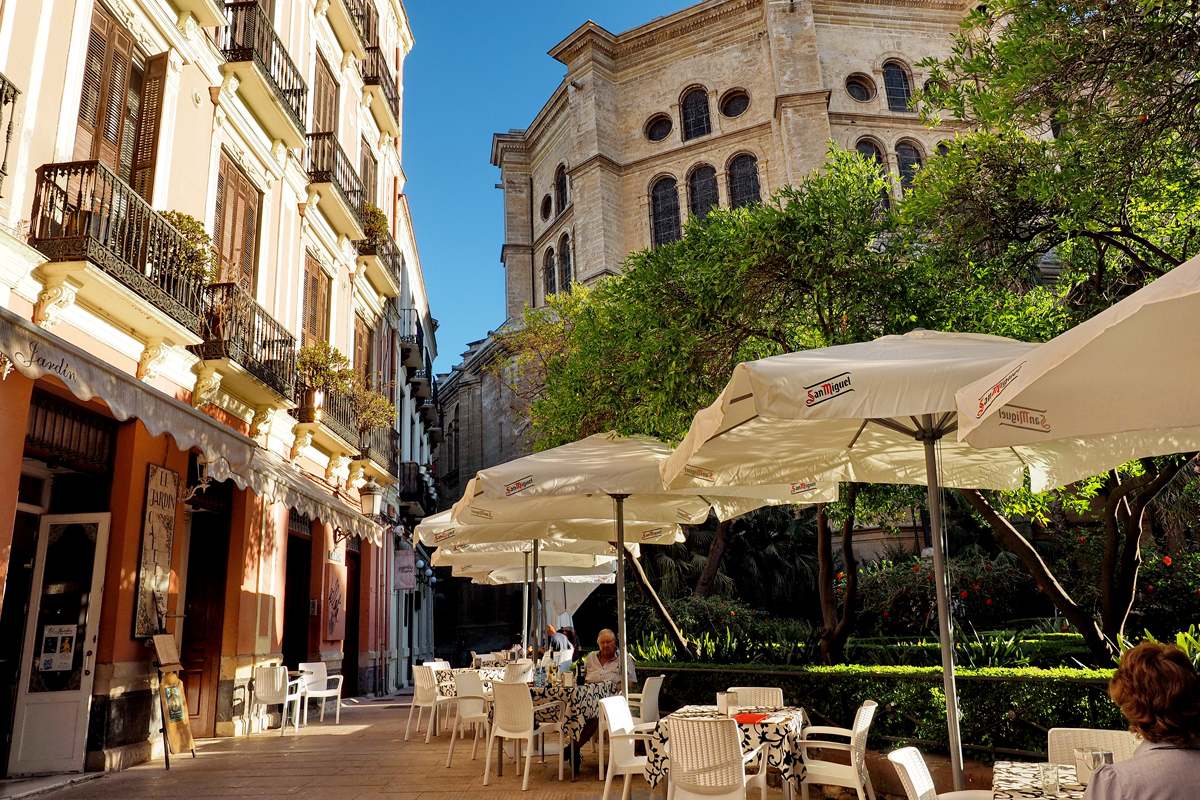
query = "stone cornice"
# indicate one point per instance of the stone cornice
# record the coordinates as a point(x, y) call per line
point(505, 143)
point(931, 5)
point(589, 34)
point(682, 23)
point(817, 97)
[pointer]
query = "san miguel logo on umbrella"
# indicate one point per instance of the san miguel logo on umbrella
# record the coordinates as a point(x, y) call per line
point(698, 472)
point(1027, 419)
point(826, 390)
point(442, 536)
point(653, 533)
point(518, 486)
point(801, 488)
point(482, 513)
point(989, 397)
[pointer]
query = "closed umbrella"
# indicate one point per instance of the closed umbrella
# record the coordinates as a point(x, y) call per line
point(1120, 386)
point(874, 412)
point(606, 470)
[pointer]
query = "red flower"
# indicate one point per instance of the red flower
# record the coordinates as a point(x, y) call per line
point(733, 613)
point(1066, 628)
point(1039, 587)
point(989, 601)
point(1167, 560)
point(885, 613)
point(917, 568)
point(1083, 538)
point(842, 575)
point(930, 577)
point(963, 595)
point(978, 587)
point(1149, 588)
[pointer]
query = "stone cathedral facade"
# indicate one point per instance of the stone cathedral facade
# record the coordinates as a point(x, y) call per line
point(721, 103)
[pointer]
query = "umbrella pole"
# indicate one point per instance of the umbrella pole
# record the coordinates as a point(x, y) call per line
point(537, 634)
point(525, 609)
point(943, 607)
point(621, 645)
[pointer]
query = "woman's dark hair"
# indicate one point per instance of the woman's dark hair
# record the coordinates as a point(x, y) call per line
point(1158, 691)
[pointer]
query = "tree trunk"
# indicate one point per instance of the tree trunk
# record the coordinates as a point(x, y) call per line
point(661, 610)
point(716, 550)
point(1104, 651)
point(835, 632)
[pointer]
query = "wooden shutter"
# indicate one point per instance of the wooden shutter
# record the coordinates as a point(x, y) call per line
point(145, 154)
point(362, 348)
point(325, 99)
point(369, 168)
point(314, 323)
point(101, 121)
point(237, 225)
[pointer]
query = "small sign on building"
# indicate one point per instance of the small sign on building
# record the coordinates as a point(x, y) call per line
point(406, 569)
point(158, 536)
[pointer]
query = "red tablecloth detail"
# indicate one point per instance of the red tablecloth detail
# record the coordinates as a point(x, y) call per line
point(750, 719)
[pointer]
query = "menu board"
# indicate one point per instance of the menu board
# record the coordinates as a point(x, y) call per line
point(158, 536)
point(58, 648)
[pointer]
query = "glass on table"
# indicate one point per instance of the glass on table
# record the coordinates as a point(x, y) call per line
point(1049, 774)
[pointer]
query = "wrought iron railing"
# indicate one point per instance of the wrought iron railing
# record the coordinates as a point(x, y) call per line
point(328, 163)
point(366, 20)
point(410, 327)
point(385, 249)
point(380, 446)
point(337, 414)
point(8, 100)
point(250, 36)
point(410, 483)
point(377, 72)
point(238, 328)
point(83, 211)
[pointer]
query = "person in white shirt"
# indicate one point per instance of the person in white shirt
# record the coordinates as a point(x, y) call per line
point(1158, 691)
point(603, 666)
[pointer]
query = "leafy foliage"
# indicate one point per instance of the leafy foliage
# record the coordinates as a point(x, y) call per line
point(371, 408)
point(322, 366)
point(198, 257)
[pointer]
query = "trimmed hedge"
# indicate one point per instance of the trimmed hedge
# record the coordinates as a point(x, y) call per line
point(1005, 712)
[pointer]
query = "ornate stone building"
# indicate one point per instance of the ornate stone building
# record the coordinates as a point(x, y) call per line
point(721, 103)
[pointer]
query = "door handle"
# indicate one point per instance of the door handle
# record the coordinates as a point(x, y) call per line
point(86, 659)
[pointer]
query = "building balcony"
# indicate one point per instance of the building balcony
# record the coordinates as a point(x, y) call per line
point(428, 413)
point(384, 264)
point(382, 448)
point(412, 339)
point(208, 13)
point(379, 88)
point(410, 484)
point(422, 384)
point(333, 178)
point(354, 24)
point(8, 107)
point(338, 429)
point(436, 436)
point(253, 351)
point(111, 251)
point(267, 79)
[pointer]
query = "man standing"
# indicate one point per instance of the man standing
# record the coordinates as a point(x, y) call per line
point(558, 642)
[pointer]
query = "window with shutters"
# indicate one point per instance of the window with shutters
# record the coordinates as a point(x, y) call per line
point(364, 348)
point(325, 99)
point(235, 234)
point(314, 324)
point(120, 104)
point(369, 169)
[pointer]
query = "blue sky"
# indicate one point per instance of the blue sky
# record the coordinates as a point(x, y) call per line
point(480, 68)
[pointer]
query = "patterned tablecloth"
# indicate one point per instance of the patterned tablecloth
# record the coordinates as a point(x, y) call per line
point(445, 678)
point(1020, 779)
point(780, 731)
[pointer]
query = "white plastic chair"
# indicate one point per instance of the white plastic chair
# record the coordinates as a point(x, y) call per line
point(707, 762)
point(757, 696)
point(271, 686)
point(472, 709)
point(646, 701)
point(622, 733)
point(918, 783)
point(853, 775)
point(490, 659)
point(513, 718)
point(1063, 741)
point(519, 671)
point(316, 685)
point(564, 656)
point(425, 695)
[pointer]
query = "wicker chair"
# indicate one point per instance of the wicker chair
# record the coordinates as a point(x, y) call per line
point(425, 695)
point(472, 709)
point(1063, 741)
point(513, 718)
point(707, 762)
point(646, 701)
point(758, 696)
point(622, 733)
point(853, 775)
point(519, 671)
point(918, 783)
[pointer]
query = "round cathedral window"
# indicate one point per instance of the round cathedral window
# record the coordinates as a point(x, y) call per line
point(658, 128)
point(735, 103)
point(860, 87)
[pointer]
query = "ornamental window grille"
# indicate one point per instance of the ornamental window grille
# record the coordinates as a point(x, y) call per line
point(560, 189)
point(59, 431)
point(548, 274)
point(696, 119)
point(299, 524)
point(897, 86)
point(702, 191)
point(744, 187)
point(664, 212)
point(909, 159)
point(564, 264)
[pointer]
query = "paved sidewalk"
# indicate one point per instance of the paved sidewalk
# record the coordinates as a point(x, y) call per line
point(364, 757)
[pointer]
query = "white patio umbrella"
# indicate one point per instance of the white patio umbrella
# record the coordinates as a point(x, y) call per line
point(1120, 386)
point(582, 478)
point(500, 576)
point(874, 412)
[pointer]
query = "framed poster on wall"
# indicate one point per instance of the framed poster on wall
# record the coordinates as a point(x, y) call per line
point(335, 604)
point(158, 537)
point(406, 569)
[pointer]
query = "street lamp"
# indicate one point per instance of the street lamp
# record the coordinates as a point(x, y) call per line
point(371, 497)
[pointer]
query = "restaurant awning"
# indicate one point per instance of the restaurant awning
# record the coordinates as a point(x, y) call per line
point(35, 352)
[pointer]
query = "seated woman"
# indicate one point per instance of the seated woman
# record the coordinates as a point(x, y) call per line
point(1158, 691)
point(603, 666)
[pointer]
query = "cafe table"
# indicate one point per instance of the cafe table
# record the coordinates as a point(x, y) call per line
point(777, 728)
point(1023, 779)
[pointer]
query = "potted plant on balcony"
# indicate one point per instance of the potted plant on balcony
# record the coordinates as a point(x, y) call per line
point(196, 256)
point(322, 369)
point(375, 225)
point(371, 408)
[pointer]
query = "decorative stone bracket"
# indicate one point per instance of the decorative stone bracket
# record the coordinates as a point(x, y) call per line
point(260, 425)
point(303, 436)
point(357, 480)
point(208, 382)
point(153, 356)
point(57, 296)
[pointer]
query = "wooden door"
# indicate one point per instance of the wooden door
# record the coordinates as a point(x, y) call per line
point(325, 99)
point(350, 687)
point(204, 614)
point(297, 591)
point(54, 687)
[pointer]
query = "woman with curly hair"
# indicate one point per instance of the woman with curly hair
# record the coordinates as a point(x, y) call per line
point(1158, 691)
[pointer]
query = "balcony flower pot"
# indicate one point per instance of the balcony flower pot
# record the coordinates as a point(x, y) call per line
point(321, 370)
point(312, 404)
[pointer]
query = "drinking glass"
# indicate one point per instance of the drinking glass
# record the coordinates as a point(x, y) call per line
point(1050, 779)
